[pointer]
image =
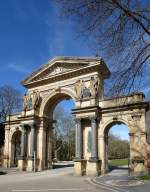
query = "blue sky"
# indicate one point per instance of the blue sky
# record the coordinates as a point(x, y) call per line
point(32, 33)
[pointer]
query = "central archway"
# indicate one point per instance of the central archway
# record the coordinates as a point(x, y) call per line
point(49, 122)
point(56, 96)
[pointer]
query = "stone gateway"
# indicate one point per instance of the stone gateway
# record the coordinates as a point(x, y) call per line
point(28, 135)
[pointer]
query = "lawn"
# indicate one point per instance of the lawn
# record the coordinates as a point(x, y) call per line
point(145, 177)
point(118, 162)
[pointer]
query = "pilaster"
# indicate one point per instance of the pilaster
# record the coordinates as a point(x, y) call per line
point(21, 161)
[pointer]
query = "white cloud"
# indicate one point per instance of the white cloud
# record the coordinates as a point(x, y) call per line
point(57, 29)
point(18, 68)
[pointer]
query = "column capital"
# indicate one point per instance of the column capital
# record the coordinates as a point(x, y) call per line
point(32, 125)
point(24, 126)
point(77, 120)
point(93, 119)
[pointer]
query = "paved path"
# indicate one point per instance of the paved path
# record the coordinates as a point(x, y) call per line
point(56, 180)
point(118, 180)
point(63, 179)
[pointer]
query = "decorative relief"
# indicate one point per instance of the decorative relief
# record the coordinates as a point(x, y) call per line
point(45, 93)
point(136, 117)
point(55, 70)
point(31, 100)
point(79, 86)
point(94, 86)
point(83, 91)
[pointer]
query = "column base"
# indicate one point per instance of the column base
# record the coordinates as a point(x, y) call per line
point(30, 166)
point(93, 167)
point(41, 165)
point(138, 168)
point(21, 165)
point(80, 167)
point(6, 163)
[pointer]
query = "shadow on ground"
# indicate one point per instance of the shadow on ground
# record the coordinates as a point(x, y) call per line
point(112, 167)
point(3, 173)
point(57, 166)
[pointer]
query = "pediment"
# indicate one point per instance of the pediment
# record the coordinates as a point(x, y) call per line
point(56, 66)
point(56, 69)
point(60, 66)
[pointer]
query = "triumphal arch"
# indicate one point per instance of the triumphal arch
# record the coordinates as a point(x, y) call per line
point(28, 135)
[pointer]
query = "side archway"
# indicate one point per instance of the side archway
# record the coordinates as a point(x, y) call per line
point(15, 148)
point(105, 128)
point(103, 141)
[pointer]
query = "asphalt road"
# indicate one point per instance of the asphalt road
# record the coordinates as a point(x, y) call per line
point(56, 180)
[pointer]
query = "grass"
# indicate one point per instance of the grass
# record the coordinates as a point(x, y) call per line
point(118, 162)
point(145, 177)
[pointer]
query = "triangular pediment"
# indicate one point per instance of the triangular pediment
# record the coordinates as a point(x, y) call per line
point(58, 66)
point(65, 67)
point(56, 69)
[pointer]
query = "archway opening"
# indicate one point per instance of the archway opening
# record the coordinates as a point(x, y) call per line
point(117, 146)
point(63, 132)
point(15, 148)
point(62, 136)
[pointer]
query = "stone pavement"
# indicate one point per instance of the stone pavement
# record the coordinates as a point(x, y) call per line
point(14, 170)
point(55, 180)
point(118, 180)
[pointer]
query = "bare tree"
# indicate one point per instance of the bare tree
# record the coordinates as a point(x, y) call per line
point(10, 101)
point(64, 134)
point(119, 31)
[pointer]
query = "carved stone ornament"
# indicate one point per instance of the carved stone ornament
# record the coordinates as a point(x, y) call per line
point(84, 92)
point(79, 87)
point(31, 100)
point(136, 117)
point(94, 86)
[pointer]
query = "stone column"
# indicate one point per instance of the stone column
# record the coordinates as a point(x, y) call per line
point(102, 153)
point(78, 140)
point(94, 164)
point(6, 148)
point(23, 138)
point(23, 144)
point(49, 145)
point(79, 162)
point(94, 151)
point(32, 148)
point(41, 146)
